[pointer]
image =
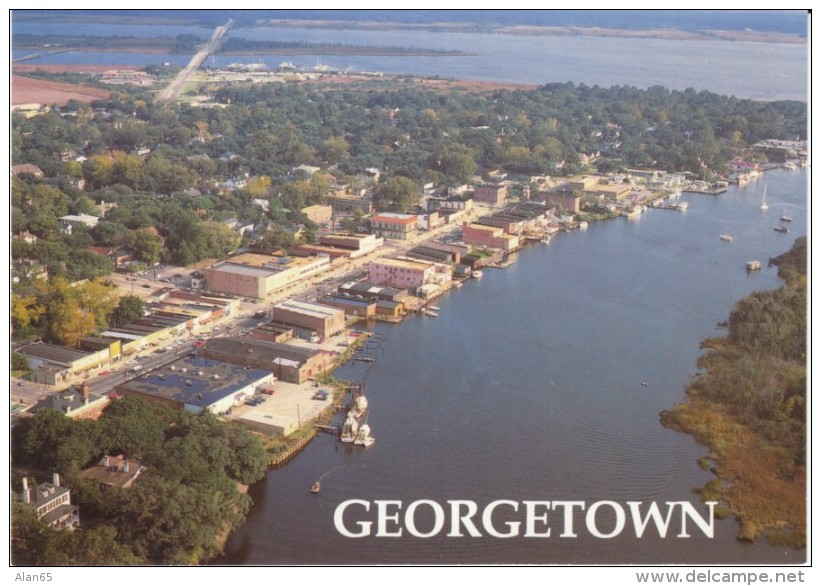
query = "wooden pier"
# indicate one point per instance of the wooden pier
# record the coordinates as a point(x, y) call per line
point(291, 452)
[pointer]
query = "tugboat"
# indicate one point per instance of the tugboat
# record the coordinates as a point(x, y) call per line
point(316, 487)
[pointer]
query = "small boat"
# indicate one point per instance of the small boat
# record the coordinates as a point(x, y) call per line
point(753, 265)
point(433, 307)
point(785, 217)
point(316, 487)
point(782, 229)
point(583, 225)
point(546, 239)
point(682, 206)
point(726, 237)
point(764, 205)
point(476, 274)
point(645, 384)
point(459, 284)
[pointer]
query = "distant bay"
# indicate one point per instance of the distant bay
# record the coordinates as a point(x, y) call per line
point(762, 71)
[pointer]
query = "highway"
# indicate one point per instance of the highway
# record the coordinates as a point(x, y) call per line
point(175, 87)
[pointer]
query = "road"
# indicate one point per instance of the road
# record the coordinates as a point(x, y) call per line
point(175, 87)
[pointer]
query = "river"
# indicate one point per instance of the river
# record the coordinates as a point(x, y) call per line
point(528, 386)
point(731, 68)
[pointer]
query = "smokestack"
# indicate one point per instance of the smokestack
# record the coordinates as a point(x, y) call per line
point(125, 466)
point(85, 393)
point(56, 479)
point(26, 494)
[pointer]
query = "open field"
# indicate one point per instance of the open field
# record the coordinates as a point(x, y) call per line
point(25, 90)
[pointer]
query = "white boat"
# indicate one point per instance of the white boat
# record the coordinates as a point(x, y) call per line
point(790, 165)
point(785, 217)
point(363, 436)
point(316, 487)
point(753, 265)
point(583, 225)
point(433, 307)
point(682, 206)
point(476, 274)
point(633, 212)
point(726, 237)
point(349, 429)
point(430, 312)
point(782, 229)
point(545, 239)
point(764, 205)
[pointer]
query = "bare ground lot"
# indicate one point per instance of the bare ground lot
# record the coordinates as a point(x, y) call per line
point(25, 90)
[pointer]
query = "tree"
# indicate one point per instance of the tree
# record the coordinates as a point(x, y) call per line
point(397, 194)
point(25, 311)
point(218, 239)
point(128, 310)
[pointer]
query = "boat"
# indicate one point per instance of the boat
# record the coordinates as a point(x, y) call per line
point(459, 284)
point(632, 212)
point(785, 217)
point(764, 205)
point(753, 265)
point(545, 239)
point(583, 225)
point(476, 274)
point(433, 307)
point(790, 165)
point(782, 229)
point(349, 429)
point(316, 487)
point(682, 206)
point(726, 237)
point(363, 436)
point(430, 312)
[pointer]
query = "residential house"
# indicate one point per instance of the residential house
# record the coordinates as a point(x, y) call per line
point(52, 503)
point(115, 471)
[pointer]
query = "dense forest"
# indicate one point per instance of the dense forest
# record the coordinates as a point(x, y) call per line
point(186, 499)
point(749, 406)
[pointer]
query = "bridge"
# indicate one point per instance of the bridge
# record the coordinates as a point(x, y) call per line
point(173, 90)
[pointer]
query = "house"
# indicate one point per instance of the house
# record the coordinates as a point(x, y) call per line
point(116, 471)
point(75, 403)
point(27, 236)
point(26, 168)
point(67, 223)
point(52, 503)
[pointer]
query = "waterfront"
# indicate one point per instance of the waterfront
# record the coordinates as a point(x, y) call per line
point(528, 386)
point(718, 66)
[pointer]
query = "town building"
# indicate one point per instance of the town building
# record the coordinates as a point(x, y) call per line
point(52, 503)
point(257, 275)
point(567, 201)
point(115, 471)
point(492, 193)
point(351, 304)
point(344, 245)
point(194, 384)
point(407, 273)
point(394, 226)
point(325, 321)
point(289, 363)
point(75, 403)
point(489, 237)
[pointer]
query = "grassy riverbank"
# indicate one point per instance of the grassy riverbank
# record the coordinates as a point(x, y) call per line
point(749, 409)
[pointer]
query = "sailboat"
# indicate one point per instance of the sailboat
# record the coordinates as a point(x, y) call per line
point(785, 217)
point(764, 204)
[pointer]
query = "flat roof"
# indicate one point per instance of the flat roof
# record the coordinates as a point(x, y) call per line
point(191, 380)
point(52, 352)
point(262, 351)
point(393, 218)
point(312, 309)
point(235, 269)
point(407, 263)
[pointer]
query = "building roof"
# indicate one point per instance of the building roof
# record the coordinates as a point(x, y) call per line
point(26, 168)
point(264, 352)
point(72, 400)
point(116, 471)
point(53, 353)
point(195, 381)
point(391, 218)
point(311, 309)
point(404, 263)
